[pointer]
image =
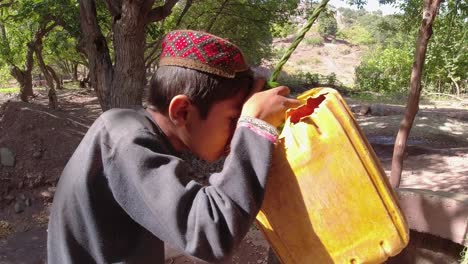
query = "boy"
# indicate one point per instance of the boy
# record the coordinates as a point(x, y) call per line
point(125, 191)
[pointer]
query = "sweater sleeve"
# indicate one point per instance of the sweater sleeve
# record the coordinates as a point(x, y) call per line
point(205, 221)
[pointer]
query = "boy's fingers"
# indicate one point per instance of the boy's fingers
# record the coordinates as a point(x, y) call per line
point(282, 90)
point(291, 102)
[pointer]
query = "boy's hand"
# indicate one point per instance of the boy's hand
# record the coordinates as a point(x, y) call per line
point(269, 105)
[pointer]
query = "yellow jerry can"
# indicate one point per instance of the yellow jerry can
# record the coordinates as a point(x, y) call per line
point(327, 199)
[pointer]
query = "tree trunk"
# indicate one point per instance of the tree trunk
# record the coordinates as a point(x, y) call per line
point(24, 77)
point(75, 72)
point(119, 85)
point(129, 69)
point(430, 10)
point(55, 77)
point(24, 80)
point(49, 79)
point(95, 46)
point(456, 86)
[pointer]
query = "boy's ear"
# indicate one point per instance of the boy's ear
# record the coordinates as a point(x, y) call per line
point(178, 109)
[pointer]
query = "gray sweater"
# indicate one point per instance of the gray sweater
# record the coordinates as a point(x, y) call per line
point(124, 192)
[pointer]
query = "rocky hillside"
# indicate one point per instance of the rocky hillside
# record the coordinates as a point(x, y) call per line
point(337, 56)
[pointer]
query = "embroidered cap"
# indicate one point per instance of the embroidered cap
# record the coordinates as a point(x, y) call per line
point(202, 51)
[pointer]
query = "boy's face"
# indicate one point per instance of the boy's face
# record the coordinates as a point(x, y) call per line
point(211, 137)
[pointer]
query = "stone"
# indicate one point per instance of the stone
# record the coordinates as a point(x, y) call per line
point(386, 110)
point(20, 185)
point(19, 207)
point(7, 157)
point(37, 154)
point(46, 194)
point(9, 197)
point(28, 202)
point(364, 110)
point(22, 197)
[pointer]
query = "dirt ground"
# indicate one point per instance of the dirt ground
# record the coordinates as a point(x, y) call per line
point(42, 140)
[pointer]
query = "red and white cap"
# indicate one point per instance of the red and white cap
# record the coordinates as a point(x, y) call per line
point(203, 52)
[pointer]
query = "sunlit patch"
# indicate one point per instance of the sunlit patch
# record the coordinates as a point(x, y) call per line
point(367, 123)
point(451, 128)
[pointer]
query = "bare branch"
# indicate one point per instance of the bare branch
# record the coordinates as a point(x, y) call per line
point(188, 4)
point(161, 12)
point(150, 57)
point(220, 10)
point(150, 62)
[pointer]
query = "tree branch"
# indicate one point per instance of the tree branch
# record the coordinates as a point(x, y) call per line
point(161, 12)
point(150, 58)
point(430, 11)
point(220, 10)
point(50, 27)
point(188, 4)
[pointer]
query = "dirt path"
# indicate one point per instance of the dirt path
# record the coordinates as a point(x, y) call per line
point(43, 140)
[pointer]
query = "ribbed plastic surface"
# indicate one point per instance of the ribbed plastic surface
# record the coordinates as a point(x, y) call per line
point(328, 199)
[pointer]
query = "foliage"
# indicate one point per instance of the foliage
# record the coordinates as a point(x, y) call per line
point(4, 75)
point(358, 35)
point(61, 51)
point(331, 78)
point(21, 22)
point(387, 67)
point(385, 70)
point(349, 16)
point(250, 24)
point(313, 41)
point(301, 81)
point(327, 25)
point(447, 58)
point(365, 28)
point(278, 53)
point(464, 254)
point(16, 35)
point(9, 90)
point(282, 30)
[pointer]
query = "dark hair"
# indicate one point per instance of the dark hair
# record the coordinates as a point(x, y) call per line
point(203, 89)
